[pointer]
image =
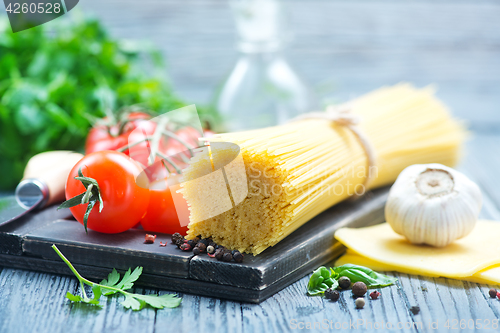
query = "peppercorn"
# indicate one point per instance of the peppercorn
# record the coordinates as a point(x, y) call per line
point(203, 241)
point(374, 294)
point(219, 247)
point(196, 250)
point(219, 253)
point(149, 239)
point(360, 303)
point(175, 237)
point(201, 246)
point(415, 309)
point(332, 294)
point(212, 244)
point(493, 293)
point(498, 295)
point(344, 282)
point(227, 257)
point(238, 256)
point(359, 289)
point(185, 247)
point(191, 242)
point(210, 249)
point(163, 244)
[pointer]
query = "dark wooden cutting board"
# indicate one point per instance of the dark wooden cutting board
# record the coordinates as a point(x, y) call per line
point(26, 243)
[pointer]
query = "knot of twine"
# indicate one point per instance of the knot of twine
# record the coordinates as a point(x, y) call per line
point(342, 115)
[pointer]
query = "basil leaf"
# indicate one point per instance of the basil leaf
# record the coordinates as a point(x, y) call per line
point(321, 280)
point(366, 275)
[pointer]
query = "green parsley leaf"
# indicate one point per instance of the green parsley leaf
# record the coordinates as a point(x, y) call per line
point(131, 302)
point(113, 285)
point(126, 283)
point(160, 302)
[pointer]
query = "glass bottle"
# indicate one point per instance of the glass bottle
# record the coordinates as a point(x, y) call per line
point(262, 89)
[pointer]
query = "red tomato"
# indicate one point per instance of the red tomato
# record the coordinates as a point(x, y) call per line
point(108, 138)
point(125, 202)
point(188, 134)
point(163, 215)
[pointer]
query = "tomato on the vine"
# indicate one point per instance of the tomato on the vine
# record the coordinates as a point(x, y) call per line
point(136, 127)
point(124, 199)
point(163, 215)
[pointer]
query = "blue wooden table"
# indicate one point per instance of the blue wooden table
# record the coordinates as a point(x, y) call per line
point(343, 49)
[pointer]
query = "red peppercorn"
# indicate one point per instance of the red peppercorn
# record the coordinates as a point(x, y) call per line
point(374, 294)
point(149, 239)
point(498, 295)
point(185, 247)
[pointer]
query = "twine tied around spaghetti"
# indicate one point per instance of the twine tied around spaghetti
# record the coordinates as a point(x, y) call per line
point(342, 115)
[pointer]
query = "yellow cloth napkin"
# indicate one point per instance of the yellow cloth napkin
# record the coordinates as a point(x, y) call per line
point(475, 257)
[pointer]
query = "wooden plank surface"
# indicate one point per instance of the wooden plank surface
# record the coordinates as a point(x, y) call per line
point(34, 301)
point(343, 48)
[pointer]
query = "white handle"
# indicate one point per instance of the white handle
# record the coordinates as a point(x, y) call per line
point(52, 169)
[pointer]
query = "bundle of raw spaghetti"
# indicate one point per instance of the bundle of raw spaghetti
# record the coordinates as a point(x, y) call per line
point(297, 170)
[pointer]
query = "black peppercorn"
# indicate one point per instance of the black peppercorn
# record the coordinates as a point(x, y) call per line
point(359, 289)
point(196, 250)
point(238, 257)
point(219, 253)
point(212, 244)
point(201, 247)
point(344, 282)
point(177, 237)
point(332, 294)
point(227, 257)
point(191, 242)
point(415, 309)
point(493, 293)
point(219, 247)
point(203, 241)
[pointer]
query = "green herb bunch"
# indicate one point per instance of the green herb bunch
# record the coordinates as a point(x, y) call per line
point(324, 278)
point(55, 79)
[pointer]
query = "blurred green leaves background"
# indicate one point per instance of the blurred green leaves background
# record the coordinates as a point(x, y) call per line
point(56, 78)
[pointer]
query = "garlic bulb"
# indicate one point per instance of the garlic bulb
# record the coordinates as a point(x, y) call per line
point(433, 204)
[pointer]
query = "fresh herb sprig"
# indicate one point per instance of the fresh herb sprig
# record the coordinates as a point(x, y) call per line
point(114, 285)
point(320, 281)
point(366, 275)
point(324, 278)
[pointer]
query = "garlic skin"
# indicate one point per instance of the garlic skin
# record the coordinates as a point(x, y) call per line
point(433, 204)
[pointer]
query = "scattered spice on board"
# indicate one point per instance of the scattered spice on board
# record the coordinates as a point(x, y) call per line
point(331, 294)
point(149, 239)
point(360, 303)
point(359, 289)
point(344, 282)
point(374, 294)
